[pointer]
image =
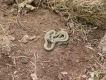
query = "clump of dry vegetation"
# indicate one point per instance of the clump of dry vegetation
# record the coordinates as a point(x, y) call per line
point(87, 12)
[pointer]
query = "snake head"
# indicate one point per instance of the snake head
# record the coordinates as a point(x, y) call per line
point(50, 40)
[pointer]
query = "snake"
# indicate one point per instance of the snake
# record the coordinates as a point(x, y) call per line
point(52, 37)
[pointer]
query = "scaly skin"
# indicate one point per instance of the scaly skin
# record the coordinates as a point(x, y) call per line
point(54, 38)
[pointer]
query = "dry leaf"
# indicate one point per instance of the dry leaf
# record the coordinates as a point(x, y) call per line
point(30, 7)
point(6, 44)
point(21, 5)
point(70, 25)
point(32, 38)
point(38, 37)
point(102, 45)
point(24, 39)
point(84, 76)
point(92, 75)
point(26, 4)
point(11, 38)
point(33, 76)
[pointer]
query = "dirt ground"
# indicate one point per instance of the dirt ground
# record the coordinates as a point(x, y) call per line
point(74, 61)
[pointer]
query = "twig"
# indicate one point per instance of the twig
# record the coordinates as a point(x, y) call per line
point(12, 76)
point(19, 57)
point(97, 61)
point(33, 75)
point(39, 4)
point(33, 64)
point(35, 61)
point(18, 20)
point(2, 27)
point(2, 9)
point(14, 60)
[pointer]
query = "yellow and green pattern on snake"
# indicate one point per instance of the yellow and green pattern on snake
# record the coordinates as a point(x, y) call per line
point(53, 38)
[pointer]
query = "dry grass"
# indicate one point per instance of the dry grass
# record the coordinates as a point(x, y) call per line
point(87, 12)
point(4, 41)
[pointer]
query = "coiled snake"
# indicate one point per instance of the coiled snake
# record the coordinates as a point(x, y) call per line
point(52, 37)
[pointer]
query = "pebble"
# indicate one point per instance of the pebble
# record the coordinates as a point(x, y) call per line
point(64, 73)
point(25, 61)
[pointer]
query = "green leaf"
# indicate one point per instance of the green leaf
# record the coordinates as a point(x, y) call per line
point(96, 74)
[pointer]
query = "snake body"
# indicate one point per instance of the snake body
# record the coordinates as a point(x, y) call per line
point(52, 37)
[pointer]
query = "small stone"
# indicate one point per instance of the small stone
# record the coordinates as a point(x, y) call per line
point(25, 61)
point(64, 73)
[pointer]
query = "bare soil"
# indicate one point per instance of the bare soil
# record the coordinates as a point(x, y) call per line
point(64, 62)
